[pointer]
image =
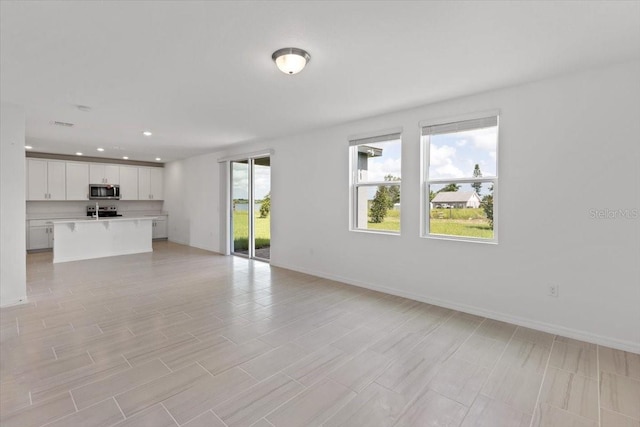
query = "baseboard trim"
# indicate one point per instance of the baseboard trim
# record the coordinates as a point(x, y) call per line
point(12, 303)
point(478, 311)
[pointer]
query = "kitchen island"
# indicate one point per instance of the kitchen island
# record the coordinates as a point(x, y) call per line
point(96, 238)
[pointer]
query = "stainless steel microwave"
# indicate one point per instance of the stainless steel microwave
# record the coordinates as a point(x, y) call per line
point(104, 192)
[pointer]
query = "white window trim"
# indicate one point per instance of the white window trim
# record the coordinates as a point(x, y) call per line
point(425, 147)
point(354, 184)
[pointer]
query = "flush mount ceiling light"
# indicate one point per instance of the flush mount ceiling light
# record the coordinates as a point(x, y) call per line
point(147, 133)
point(158, 159)
point(28, 147)
point(100, 149)
point(291, 60)
point(125, 157)
point(78, 153)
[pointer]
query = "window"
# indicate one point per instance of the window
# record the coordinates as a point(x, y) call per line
point(375, 183)
point(461, 179)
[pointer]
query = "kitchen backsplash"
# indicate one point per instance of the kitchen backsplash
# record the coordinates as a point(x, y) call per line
point(124, 206)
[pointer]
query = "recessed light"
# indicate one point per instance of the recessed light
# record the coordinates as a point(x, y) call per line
point(78, 153)
point(158, 159)
point(28, 147)
point(147, 133)
point(125, 157)
point(100, 149)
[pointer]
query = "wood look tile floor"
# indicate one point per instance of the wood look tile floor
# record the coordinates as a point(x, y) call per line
point(184, 337)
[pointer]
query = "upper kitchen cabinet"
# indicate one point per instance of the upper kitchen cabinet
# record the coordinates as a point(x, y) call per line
point(150, 184)
point(77, 181)
point(128, 183)
point(104, 174)
point(46, 179)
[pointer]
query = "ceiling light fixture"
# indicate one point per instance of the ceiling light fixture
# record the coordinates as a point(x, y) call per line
point(78, 153)
point(125, 157)
point(291, 60)
point(100, 149)
point(158, 159)
point(147, 133)
point(28, 147)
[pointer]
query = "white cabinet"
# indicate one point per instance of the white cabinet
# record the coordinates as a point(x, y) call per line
point(59, 180)
point(46, 179)
point(104, 174)
point(150, 184)
point(128, 182)
point(77, 181)
point(159, 229)
point(157, 184)
point(40, 235)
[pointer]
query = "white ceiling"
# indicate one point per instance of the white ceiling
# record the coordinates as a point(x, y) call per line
point(200, 74)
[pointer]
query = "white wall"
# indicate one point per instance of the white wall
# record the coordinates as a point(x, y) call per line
point(568, 146)
point(13, 288)
point(192, 194)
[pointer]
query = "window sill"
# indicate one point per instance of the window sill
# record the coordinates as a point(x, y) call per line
point(386, 233)
point(460, 239)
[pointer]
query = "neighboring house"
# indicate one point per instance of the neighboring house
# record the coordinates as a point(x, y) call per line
point(456, 199)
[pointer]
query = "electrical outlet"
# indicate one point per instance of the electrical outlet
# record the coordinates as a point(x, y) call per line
point(553, 290)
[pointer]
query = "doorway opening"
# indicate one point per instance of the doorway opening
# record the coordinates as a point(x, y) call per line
point(251, 208)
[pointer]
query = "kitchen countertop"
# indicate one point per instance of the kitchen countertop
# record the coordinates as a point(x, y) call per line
point(105, 219)
point(78, 216)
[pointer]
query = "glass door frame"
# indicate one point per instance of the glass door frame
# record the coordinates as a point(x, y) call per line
point(251, 249)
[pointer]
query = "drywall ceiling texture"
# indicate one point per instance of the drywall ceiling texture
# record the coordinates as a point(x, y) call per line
point(568, 146)
point(199, 74)
point(13, 288)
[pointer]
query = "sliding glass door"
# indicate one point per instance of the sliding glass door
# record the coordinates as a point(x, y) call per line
point(251, 208)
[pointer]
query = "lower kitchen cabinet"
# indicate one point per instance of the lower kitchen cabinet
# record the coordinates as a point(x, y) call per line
point(159, 229)
point(40, 236)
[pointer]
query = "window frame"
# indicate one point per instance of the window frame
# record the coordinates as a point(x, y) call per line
point(426, 182)
point(354, 183)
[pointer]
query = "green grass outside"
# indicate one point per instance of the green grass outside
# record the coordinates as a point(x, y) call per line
point(464, 222)
point(391, 222)
point(241, 231)
point(461, 227)
point(463, 213)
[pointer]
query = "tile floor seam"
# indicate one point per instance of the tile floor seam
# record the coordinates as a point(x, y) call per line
point(73, 400)
point(197, 362)
point(544, 377)
point(125, 359)
point(131, 388)
point(304, 388)
point(491, 371)
point(165, 365)
point(294, 380)
point(165, 408)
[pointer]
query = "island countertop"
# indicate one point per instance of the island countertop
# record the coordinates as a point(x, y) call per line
point(104, 218)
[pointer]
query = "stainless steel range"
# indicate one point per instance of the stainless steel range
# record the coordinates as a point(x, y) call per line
point(103, 211)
